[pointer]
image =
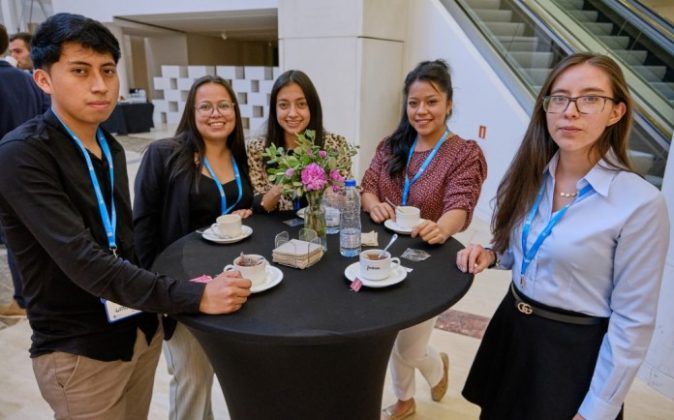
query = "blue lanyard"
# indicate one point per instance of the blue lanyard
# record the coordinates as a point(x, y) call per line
point(422, 169)
point(528, 255)
point(109, 219)
point(223, 198)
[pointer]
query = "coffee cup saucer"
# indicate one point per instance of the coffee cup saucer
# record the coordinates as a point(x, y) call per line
point(274, 277)
point(397, 275)
point(211, 234)
point(392, 225)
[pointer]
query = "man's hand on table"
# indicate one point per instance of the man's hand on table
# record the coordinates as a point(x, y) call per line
point(225, 294)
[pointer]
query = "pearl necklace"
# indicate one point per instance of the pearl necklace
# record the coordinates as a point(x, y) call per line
point(568, 195)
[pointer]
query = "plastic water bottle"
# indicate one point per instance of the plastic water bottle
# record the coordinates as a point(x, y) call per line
point(349, 226)
point(331, 204)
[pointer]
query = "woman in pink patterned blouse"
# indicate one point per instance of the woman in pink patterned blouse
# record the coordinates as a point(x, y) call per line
point(445, 174)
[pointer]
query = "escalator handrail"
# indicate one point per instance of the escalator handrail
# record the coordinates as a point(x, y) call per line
point(660, 23)
point(656, 28)
point(652, 115)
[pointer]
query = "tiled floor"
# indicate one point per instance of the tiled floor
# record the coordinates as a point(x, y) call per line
point(458, 334)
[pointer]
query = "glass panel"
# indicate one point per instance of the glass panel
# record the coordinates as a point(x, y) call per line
point(531, 47)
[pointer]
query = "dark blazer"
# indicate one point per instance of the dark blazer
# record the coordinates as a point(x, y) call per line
point(20, 98)
point(161, 208)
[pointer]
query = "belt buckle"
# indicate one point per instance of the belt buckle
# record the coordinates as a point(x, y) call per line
point(525, 308)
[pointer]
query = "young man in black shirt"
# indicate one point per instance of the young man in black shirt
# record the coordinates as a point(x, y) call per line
point(65, 207)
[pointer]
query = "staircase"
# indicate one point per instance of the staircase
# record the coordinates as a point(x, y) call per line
point(532, 54)
point(651, 69)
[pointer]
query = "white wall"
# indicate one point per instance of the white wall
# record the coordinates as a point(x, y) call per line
point(658, 368)
point(353, 52)
point(105, 10)
point(480, 98)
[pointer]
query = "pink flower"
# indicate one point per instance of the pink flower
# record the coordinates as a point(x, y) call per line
point(323, 154)
point(336, 176)
point(313, 177)
point(336, 188)
point(290, 172)
point(310, 153)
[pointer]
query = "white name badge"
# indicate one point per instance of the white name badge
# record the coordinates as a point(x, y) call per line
point(117, 312)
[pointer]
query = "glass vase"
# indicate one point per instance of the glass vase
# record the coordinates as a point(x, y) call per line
point(314, 217)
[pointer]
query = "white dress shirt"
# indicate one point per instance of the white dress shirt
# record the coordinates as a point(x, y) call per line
point(604, 258)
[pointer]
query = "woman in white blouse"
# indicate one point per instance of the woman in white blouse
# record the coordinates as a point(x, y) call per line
point(586, 239)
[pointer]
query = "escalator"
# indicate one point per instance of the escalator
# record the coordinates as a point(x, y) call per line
point(524, 39)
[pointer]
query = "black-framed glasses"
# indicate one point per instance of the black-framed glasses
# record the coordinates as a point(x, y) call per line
point(588, 104)
point(207, 108)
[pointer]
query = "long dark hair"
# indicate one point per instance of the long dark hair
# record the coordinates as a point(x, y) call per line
point(521, 182)
point(190, 141)
point(275, 133)
point(437, 74)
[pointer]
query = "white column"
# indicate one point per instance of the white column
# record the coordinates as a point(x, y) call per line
point(353, 52)
point(658, 369)
point(9, 16)
point(122, 69)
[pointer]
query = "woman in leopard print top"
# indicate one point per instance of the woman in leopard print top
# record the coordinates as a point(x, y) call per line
point(294, 107)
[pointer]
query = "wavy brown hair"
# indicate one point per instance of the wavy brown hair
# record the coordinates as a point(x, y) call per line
point(518, 189)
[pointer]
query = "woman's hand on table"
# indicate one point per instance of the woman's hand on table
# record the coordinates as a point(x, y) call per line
point(474, 258)
point(271, 198)
point(244, 213)
point(380, 212)
point(225, 294)
point(430, 232)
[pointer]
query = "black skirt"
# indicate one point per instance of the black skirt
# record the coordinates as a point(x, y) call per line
point(528, 367)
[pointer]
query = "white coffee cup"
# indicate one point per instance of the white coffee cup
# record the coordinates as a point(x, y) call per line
point(407, 217)
point(375, 265)
point(228, 225)
point(257, 273)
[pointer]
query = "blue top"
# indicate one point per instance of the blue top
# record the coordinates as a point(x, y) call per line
point(604, 258)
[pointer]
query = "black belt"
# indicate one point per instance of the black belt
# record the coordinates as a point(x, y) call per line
point(529, 309)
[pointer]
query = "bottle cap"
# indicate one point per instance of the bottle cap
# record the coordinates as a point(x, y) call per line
point(350, 183)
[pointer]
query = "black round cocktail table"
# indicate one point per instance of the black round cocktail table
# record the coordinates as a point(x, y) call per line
point(310, 348)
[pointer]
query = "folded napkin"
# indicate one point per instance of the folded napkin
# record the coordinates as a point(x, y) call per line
point(296, 253)
point(369, 238)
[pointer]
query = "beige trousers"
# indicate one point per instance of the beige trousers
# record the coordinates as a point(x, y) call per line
point(411, 351)
point(77, 387)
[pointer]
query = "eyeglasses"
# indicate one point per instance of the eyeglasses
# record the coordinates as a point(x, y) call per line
point(591, 104)
point(206, 108)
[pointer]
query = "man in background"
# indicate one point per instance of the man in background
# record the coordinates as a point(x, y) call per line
point(19, 48)
point(20, 100)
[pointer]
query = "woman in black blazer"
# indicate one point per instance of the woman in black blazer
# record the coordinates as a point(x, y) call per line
point(178, 189)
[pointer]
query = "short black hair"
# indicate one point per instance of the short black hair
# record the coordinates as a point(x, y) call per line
point(24, 36)
point(67, 27)
point(4, 39)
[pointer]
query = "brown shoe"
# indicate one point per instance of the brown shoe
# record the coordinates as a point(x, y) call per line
point(439, 390)
point(391, 412)
point(13, 310)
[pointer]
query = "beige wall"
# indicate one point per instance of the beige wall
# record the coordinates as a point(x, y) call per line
point(664, 8)
point(139, 65)
point(211, 51)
